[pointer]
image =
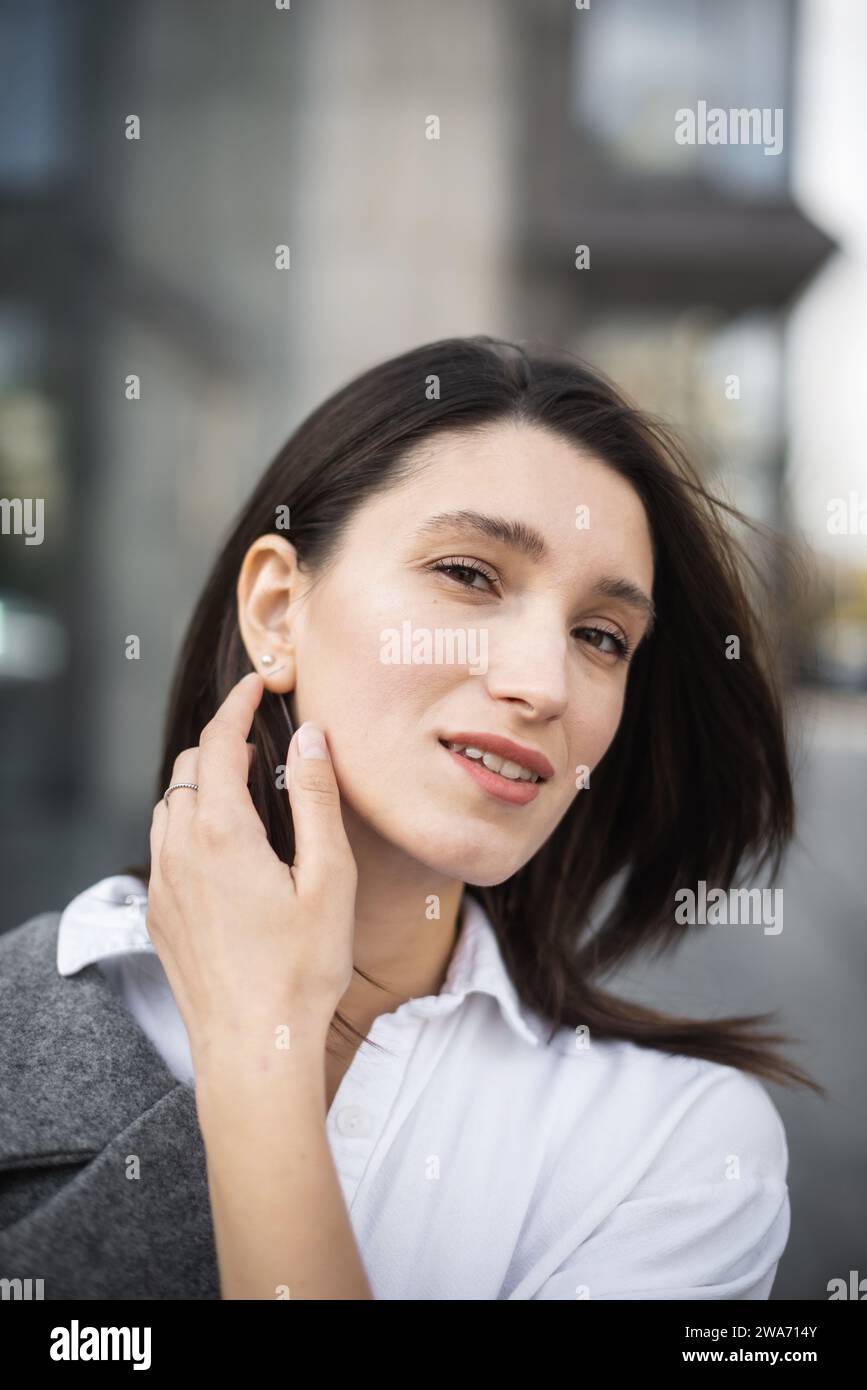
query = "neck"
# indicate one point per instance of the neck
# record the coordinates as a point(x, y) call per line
point(406, 923)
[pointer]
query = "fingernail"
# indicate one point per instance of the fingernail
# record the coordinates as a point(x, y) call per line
point(311, 741)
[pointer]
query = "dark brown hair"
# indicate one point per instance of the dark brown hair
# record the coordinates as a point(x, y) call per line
point(696, 783)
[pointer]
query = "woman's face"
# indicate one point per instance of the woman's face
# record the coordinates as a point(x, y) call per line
point(534, 654)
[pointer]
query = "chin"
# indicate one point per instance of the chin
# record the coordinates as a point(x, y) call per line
point(484, 866)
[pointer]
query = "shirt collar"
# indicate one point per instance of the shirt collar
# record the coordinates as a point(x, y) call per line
point(477, 966)
point(109, 919)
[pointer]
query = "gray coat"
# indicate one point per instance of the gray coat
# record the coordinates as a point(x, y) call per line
point(83, 1092)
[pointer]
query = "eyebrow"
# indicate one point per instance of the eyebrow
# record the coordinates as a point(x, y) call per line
point(517, 535)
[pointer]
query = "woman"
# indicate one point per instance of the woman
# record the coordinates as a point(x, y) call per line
point(358, 1046)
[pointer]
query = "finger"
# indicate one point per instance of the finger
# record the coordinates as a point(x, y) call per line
point(164, 813)
point(159, 821)
point(322, 850)
point(181, 804)
point(223, 760)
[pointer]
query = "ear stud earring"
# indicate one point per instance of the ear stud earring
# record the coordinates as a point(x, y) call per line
point(267, 660)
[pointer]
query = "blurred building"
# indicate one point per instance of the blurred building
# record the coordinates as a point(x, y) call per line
point(696, 250)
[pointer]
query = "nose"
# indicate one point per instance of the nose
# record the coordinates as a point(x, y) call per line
point(528, 664)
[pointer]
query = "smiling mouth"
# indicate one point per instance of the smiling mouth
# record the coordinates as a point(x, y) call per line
point(501, 767)
point(509, 791)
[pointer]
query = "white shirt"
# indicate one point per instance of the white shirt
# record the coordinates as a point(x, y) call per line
point(478, 1163)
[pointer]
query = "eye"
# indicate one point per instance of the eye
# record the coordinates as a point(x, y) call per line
point(459, 568)
point(619, 648)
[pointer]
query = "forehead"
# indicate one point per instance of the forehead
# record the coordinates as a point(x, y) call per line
point(586, 512)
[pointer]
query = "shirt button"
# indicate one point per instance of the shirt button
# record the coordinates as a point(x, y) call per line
point(354, 1120)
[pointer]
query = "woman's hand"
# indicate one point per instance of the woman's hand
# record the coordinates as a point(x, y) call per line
point(249, 945)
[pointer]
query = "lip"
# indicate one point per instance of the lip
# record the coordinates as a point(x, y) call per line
point(516, 793)
point(505, 748)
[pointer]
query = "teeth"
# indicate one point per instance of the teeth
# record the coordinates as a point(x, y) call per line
point(493, 762)
point(513, 771)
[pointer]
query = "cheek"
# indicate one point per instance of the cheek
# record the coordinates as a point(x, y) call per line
point(377, 709)
point(599, 721)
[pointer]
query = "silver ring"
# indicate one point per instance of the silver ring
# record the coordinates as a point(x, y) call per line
point(194, 786)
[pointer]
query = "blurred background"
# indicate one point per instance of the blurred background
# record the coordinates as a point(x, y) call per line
point(726, 290)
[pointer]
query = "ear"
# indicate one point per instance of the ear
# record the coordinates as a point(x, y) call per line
point(268, 580)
